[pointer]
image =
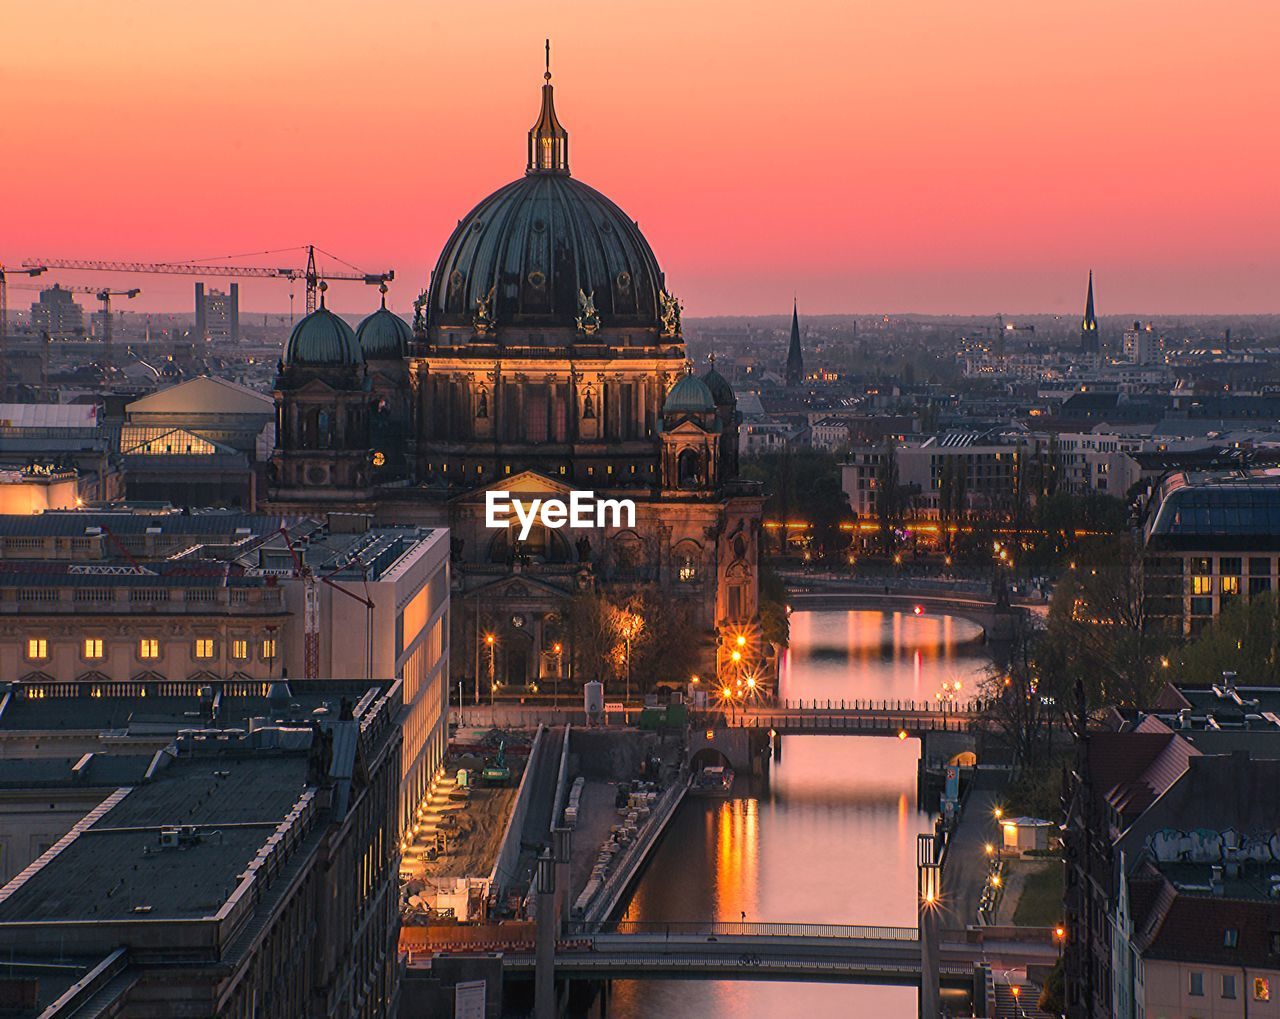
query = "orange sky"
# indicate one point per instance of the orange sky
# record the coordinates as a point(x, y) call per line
point(870, 155)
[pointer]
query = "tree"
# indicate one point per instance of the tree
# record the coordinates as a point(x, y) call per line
point(889, 496)
point(1097, 629)
point(1023, 700)
point(665, 646)
point(775, 624)
point(803, 485)
point(1244, 639)
point(952, 496)
point(590, 625)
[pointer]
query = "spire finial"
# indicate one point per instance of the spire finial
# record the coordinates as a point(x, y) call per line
point(382, 289)
point(548, 141)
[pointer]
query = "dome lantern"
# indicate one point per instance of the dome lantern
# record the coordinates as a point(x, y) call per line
point(548, 141)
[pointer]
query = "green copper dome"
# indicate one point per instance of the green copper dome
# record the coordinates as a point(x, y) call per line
point(721, 391)
point(384, 334)
point(322, 339)
point(547, 252)
point(689, 396)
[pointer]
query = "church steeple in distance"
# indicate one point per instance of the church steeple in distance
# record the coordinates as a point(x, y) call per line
point(795, 359)
point(1089, 324)
point(548, 141)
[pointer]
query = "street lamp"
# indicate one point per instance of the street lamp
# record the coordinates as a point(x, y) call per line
point(491, 643)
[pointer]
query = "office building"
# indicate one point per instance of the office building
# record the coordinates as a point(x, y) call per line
point(218, 314)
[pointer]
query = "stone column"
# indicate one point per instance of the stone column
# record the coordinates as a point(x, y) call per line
point(544, 971)
point(562, 841)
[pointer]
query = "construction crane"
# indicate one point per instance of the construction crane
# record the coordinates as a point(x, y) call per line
point(105, 297)
point(101, 294)
point(31, 270)
point(310, 273)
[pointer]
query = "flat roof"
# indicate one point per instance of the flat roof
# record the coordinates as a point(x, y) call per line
point(136, 707)
point(78, 523)
point(115, 868)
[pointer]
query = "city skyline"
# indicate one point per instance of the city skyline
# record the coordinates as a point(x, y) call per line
point(988, 176)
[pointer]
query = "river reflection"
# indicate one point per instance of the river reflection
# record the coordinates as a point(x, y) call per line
point(829, 839)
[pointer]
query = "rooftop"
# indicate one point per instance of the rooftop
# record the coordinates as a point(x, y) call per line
point(1217, 509)
point(162, 708)
point(113, 866)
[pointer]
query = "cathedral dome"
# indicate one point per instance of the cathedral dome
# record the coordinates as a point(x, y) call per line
point(548, 252)
point(384, 334)
point(689, 396)
point(720, 389)
point(322, 339)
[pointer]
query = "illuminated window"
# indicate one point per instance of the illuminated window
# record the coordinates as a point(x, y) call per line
point(149, 647)
point(1202, 585)
point(1261, 989)
point(93, 647)
point(37, 648)
point(240, 649)
point(1230, 585)
point(269, 648)
point(204, 647)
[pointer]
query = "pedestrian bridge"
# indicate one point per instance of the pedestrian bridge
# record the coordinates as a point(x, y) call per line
point(769, 951)
point(857, 718)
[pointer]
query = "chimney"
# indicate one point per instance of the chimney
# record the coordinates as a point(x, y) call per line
point(1215, 879)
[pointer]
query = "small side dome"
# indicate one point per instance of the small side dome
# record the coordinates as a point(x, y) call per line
point(721, 391)
point(689, 396)
point(322, 339)
point(384, 334)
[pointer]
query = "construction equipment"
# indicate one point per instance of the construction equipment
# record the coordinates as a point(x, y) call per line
point(105, 297)
point(31, 270)
point(102, 295)
point(310, 273)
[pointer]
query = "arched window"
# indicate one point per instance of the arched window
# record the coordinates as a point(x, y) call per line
point(685, 560)
point(688, 469)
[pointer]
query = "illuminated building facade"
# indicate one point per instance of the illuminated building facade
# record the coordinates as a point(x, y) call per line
point(545, 356)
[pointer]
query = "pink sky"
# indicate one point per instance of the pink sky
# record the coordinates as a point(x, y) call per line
point(876, 155)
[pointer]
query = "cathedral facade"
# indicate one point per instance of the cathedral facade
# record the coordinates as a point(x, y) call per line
point(546, 356)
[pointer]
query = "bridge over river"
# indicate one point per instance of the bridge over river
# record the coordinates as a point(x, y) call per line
point(777, 951)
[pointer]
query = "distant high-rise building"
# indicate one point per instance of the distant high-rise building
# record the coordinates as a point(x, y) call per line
point(795, 359)
point(1089, 324)
point(57, 314)
point(218, 314)
point(1141, 344)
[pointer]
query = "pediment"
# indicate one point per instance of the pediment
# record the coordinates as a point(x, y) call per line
point(524, 484)
point(514, 588)
point(687, 427)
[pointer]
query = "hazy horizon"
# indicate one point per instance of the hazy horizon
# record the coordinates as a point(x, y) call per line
point(855, 155)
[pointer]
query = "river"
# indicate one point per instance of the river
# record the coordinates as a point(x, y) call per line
point(830, 838)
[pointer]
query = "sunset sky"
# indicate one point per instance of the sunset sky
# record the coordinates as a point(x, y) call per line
point(868, 155)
